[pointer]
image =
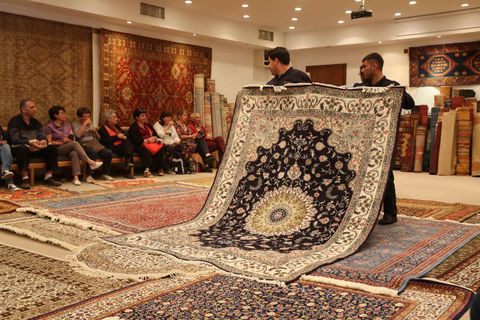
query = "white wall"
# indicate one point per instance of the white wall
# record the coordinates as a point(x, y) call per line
point(396, 65)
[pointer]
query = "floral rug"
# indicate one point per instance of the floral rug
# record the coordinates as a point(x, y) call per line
point(7, 206)
point(127, 210)
point(234, 298)
point(300, 186)
point(33, 284)
point(396, 253)
point(436, 210)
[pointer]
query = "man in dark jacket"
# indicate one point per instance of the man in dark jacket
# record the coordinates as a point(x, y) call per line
point(278, 63)
point(371, 70)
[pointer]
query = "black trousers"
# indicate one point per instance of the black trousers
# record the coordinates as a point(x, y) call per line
point(49, 155)
point(390, 201)
point(155, 162)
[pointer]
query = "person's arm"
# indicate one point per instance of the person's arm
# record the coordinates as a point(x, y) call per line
point(77, 127)
point(175, 137)
point(159, 130)
point(105, 138)
point(14, 132)
point(134, 134)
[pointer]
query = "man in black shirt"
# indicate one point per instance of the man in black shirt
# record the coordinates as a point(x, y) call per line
point(278, 64)
point(371, 70)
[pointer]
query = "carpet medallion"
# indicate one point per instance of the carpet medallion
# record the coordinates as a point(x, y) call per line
point(130, 209)
point(384, 265)
point(436, 210)
point(223, 297)
point(33, 284)
point(300, 186)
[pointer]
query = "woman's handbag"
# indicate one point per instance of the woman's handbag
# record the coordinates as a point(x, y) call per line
point(94, 144)
point(153, 147)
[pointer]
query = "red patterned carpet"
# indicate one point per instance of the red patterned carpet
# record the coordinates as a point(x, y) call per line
point(436, 210)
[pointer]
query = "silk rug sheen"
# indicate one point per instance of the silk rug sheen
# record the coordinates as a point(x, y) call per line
point(33, 284)
point(127, 210)
point(223, 297)
point(300, 186)
point(396, 253)
point(436, 210)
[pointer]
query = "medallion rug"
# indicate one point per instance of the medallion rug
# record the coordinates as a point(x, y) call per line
point(300, 186)
point(223, 297)
point(383, 265)
point(436, 210)
point(126, 210)
point(33, 284)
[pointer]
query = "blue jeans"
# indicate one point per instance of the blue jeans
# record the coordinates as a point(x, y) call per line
point(6, 158)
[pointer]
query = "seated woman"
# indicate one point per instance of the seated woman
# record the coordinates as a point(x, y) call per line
point(147, 144)
point(59, 133)
point(187, 138)
point(113, 138)
point(87, 136)
point(6, 157)
point(165, 128)
point(214, 144)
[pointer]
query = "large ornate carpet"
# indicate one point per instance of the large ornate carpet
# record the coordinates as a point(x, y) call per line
point(397, 253)
point(126, 210)
point(223, 297)
point(300, 186)
point(36, 192)
point(33, 284)
point(436, 210)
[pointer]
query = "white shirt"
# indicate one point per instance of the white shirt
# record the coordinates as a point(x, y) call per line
point(170, 137)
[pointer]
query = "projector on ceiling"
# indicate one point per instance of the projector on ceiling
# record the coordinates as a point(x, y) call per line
point(362, 13)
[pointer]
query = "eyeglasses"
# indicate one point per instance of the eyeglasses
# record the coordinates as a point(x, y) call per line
point(142, 110)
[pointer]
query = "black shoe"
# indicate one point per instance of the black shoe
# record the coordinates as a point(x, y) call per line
point(207, 169)
point(129, 176)
point(52, 182)
point(387, 219)
point(129, 166)
point(25, 184)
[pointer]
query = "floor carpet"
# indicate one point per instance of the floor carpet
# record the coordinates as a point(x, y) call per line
point(300, 185)
point(7, 206)
point(127, 210)
point(223, 297)
point(126, 183)
point(36, 192)
point(33, 284)
point(395, 253)
point(436, 210)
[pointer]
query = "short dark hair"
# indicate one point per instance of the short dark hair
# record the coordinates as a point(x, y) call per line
point(82, 111)
point(164, 114)
point(137, 112)
point(281, 53)
point(55, 110)
point(376, 58)
point(23, 103)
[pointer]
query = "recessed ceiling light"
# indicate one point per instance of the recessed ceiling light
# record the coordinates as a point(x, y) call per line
point(341, 21)
point(194, 34)
point(464, 4)
point(348, 11)
point(245, 5)
point(294, 19)
point(358, 0)
point(291, 27)
point(188, 1)
point(398, 14)
point(439, 36)
point(412, 2)
point(379, 41)
point(246, 16)
point(129, 22)
point(298, 9)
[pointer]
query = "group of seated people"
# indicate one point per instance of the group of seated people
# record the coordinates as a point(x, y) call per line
point(156, 145)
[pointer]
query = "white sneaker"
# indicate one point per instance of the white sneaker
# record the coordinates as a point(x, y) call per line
point(12, 187)
point(90, 179)
point(6, 174)
point(106, 177)
point(96, 166)
point(77, 182)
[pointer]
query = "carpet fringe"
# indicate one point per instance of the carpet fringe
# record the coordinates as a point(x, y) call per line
point(433, 219)
point(351, 285)
point(447, 283)
point(44, 213)
point(193, 184)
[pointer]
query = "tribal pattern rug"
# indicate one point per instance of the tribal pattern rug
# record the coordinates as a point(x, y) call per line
point(234, 298)
point(396, 253)
point(7, 206)
point(462, 268)
point(36, 192)
point(33, 284)
point(127, 210)
point(125, 183)
point(300, 186)
point(436, 210)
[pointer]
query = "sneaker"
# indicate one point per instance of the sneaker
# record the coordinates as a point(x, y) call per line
point(52, 182)
point(96, 166)
point(129, 166)
point(13, 187)
point(147, 174)
point(90, 179)
point(106, 177)
point(387, 219)
point(160, 173)
point(6, 174)
point(129, 176)
point(77, 182)
point(25, 184)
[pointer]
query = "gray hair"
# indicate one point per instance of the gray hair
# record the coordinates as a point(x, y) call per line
point(23, 103)
point(107, 114)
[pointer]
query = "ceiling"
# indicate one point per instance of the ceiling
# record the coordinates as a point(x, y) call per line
point(316, 14)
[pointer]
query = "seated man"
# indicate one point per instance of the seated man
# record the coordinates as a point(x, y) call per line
point(6, 157)
point(27, 137)
point(214, 144)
